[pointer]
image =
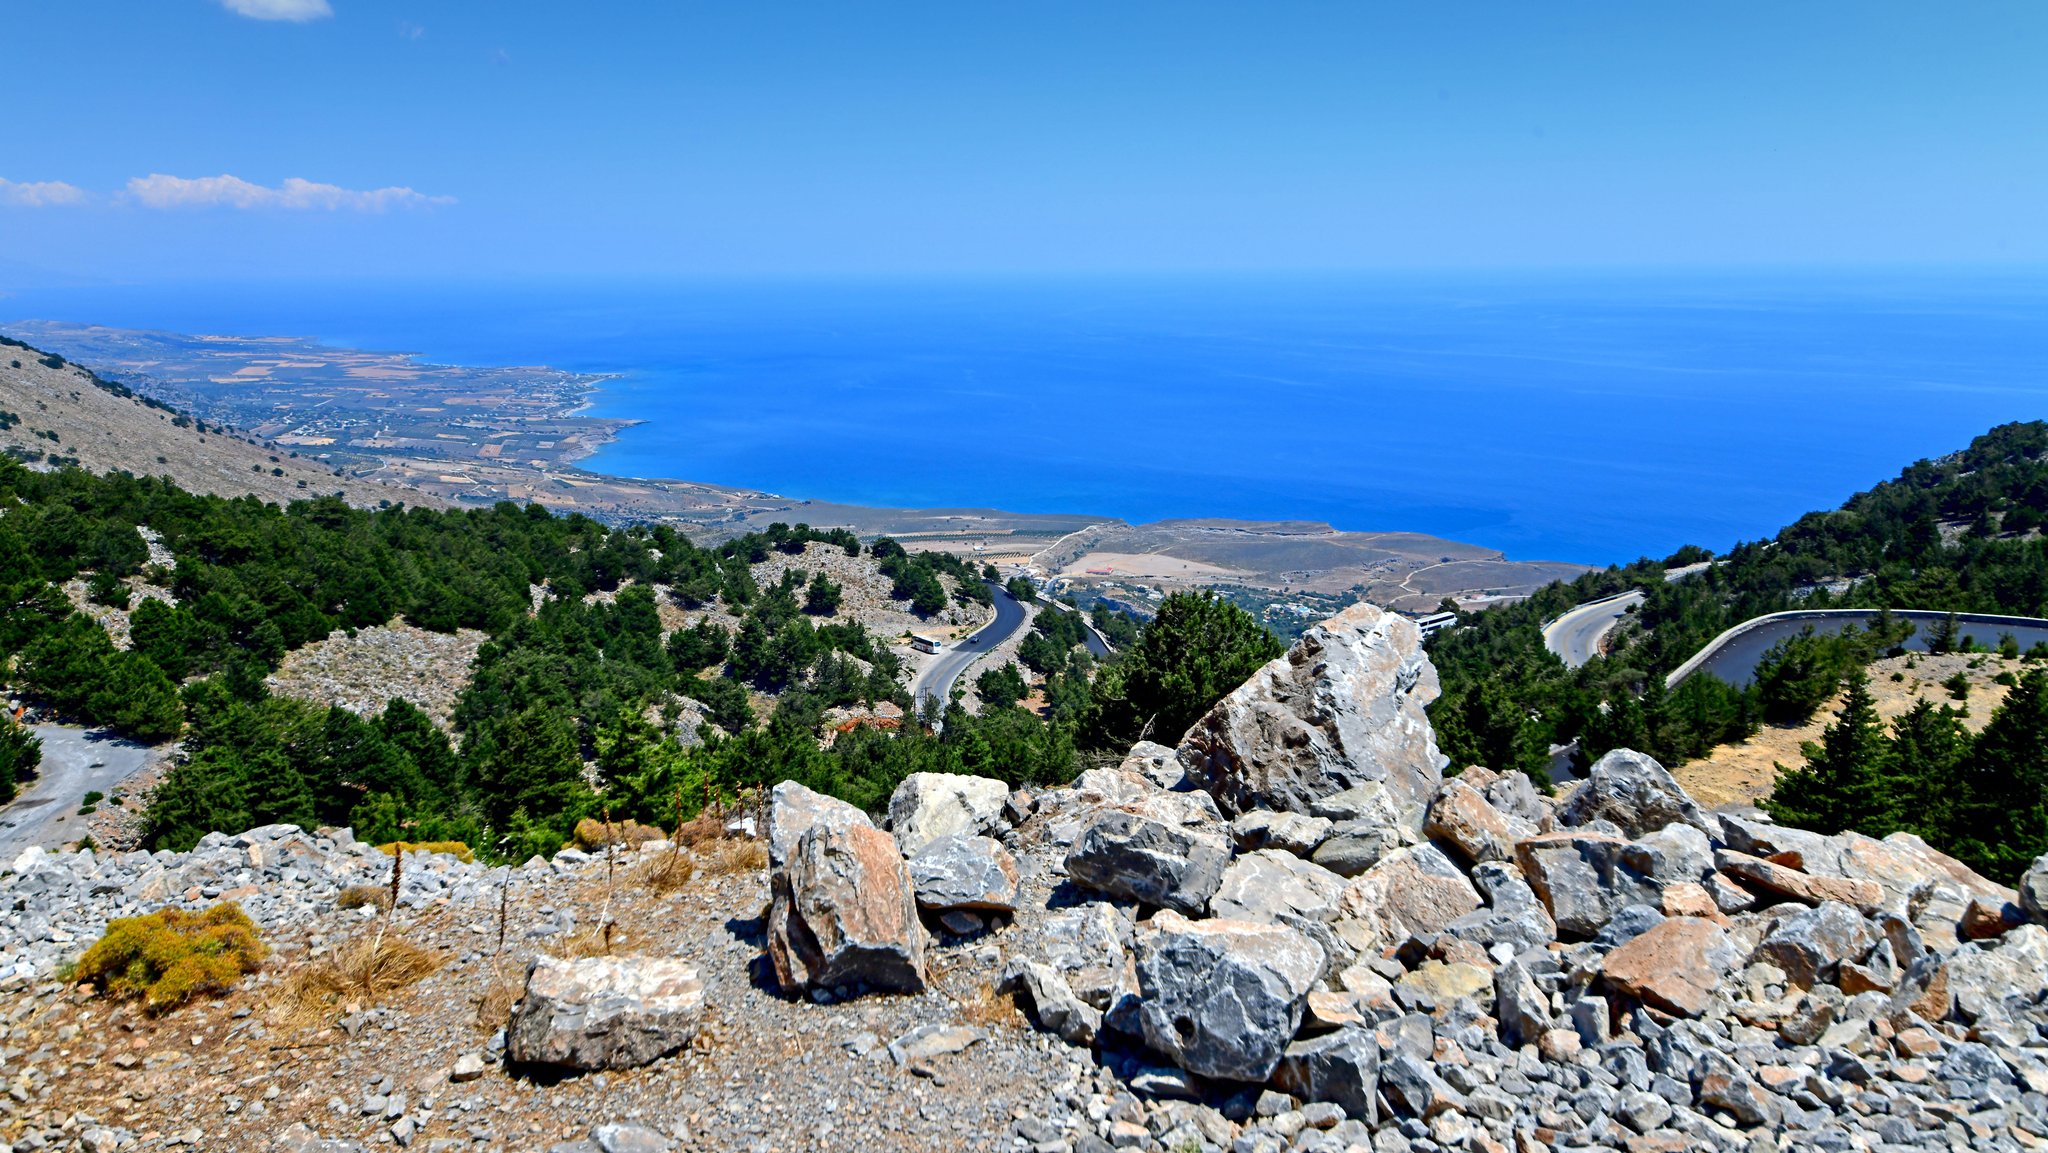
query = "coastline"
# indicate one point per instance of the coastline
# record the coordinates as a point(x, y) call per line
point(478, 434)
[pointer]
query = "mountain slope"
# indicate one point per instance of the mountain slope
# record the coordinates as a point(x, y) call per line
point(52, 411)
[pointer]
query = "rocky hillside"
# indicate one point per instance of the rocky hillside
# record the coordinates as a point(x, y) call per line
point(53, 411)
point(1288, 932)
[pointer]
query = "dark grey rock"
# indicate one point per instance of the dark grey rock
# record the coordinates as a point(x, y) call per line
point(1340, 1068)
point(1131, 856)
point(1223, 998)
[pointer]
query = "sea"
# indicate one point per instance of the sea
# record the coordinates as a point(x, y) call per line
point(1586, 417)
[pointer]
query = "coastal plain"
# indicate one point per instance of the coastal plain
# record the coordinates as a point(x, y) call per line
point(476, 435)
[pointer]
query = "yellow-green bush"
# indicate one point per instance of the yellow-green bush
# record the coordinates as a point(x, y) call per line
point(169, 956)
point(456, 849)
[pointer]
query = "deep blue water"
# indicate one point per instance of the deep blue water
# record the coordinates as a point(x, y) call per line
point(1586, 419)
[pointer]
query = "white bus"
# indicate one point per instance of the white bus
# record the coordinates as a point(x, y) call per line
point(923, 644)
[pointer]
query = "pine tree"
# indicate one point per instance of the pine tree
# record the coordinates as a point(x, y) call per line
point(530, 763)
point(1929, 746)
point(203, 795)
point(20, 752)
point(1841, 785)
point(2004, 822)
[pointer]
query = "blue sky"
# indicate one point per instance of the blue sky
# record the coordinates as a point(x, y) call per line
point(160, 140)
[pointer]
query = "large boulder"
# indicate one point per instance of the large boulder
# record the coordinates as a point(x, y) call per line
point(1223, 998)
point(1982, 975)
point(1355, 846)
point(794, 810)
point(604, 1012)
point(1412, 892)
point(1674, 965)
point(1582, 879)
point(843, 912)
point(1266, 829)
point(959, 871)
point(1676, 854)
point(1061, 814)
point(1636, 793)
point(927, 806)
point(1342, 707)
point(1272, 887)
point(1128, 855)
point(1902, 862)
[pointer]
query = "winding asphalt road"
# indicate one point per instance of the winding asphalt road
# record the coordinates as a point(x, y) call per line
point(936, 681)
point(75, 761)
point(1575, 637)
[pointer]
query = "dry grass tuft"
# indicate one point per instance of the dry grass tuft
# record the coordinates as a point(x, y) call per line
point(360, 974)
point(705, 827)
point(456, 849)
point(668, 872)
point(494, 1008)
point(736, 855)
point(596, 941)
point(988, 1009)
point(357, 896)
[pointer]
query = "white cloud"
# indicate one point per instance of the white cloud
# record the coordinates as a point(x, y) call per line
point(410, 30)
point(40, 193)
point(297, 11)
point(159, 191)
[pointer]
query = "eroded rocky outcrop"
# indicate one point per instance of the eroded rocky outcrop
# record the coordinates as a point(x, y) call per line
point(1364, 957)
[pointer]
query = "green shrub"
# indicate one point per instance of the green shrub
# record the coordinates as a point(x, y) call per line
point(169, 956)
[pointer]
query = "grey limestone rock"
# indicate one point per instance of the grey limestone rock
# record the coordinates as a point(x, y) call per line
point(927, 806)
point(1058, 1009)
point(1519, 1005)
point(1410, 892)
point(1273, 887)
point(962, 871)
point(2033, 890)
point(1412, 1086)
point(1811, 945)
point(604, 1012)
point(1344, 706)
point(843, 911)
point(629, 1138)
point(1463, 817)
point(1583, 879)
point(1156, 763)
point(1636, 793)
point(1128, 855)
point(794, 810)
point(1293, 832)
point(1514, 915)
